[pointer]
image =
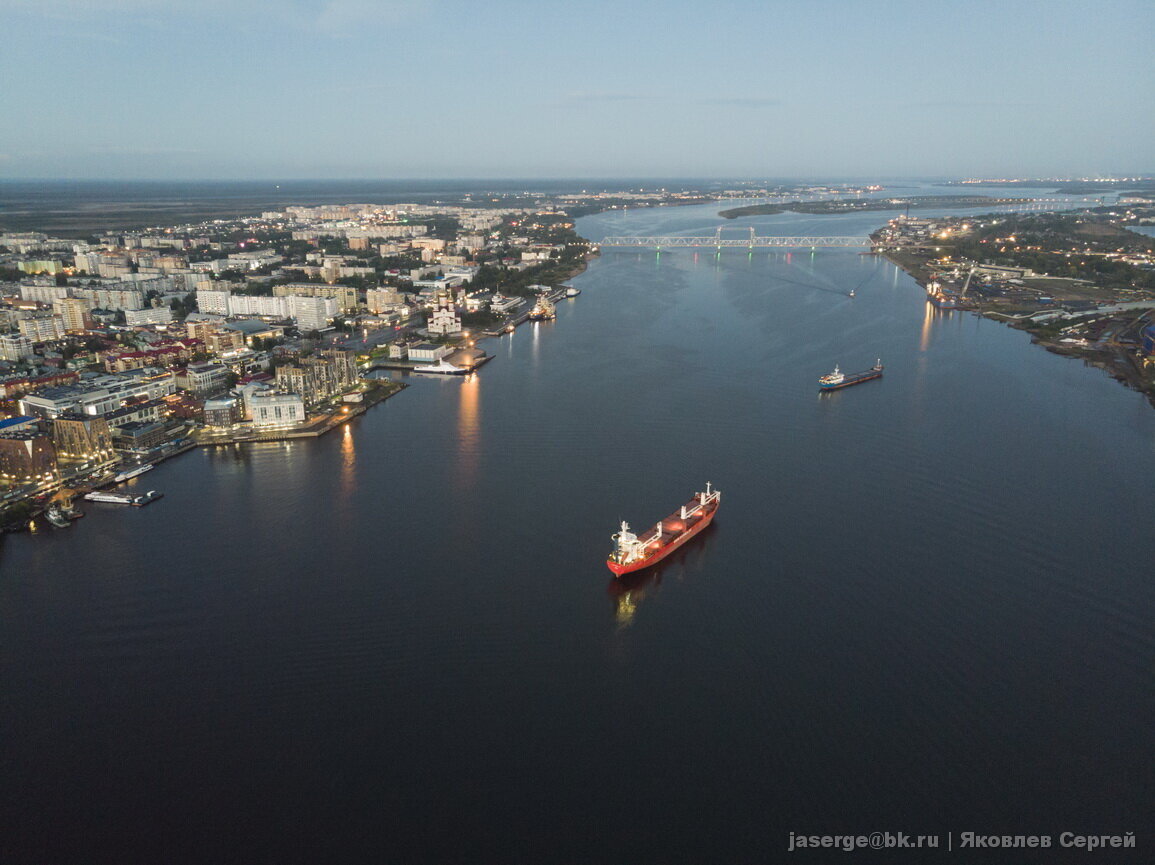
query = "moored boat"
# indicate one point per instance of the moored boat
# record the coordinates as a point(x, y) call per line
point(132, 473)
point(124, 498)
point(442, 367)
point(543, 310)
point(939, 298)
point(632, 553)
point(56, 516)
point(839, 379)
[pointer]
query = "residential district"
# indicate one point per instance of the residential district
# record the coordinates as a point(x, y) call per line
point(122, 348)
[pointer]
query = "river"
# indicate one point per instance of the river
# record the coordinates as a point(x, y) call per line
point(925, 605)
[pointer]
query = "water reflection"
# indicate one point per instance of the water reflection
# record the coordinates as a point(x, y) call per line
point(629, 590)
point(348, 461)
point(927, 321)
point(468, 428)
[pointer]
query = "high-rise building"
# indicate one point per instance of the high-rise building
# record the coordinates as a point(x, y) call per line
point(345, 295)
point(213, 301)
point(42, 328)
point(312, 313)
point(43, 293)
point(74, 312)
point(15, 346)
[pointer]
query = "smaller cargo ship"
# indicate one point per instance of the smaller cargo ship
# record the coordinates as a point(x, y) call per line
point(838, 378)
point(939, 298)
point(632, 553)
point(543, 310)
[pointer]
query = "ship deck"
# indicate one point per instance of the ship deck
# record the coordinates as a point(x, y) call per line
point(674, 527)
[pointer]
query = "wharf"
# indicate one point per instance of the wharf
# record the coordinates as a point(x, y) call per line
point(411, 365)
point(318, 426)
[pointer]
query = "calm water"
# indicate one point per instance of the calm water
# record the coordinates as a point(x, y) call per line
point(925, 606)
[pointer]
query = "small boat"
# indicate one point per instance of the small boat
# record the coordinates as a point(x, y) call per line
point(442, 368)
point(132, 473)
point(851, 293)
point(839, 379)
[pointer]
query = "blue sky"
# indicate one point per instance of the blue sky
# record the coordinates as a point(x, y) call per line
point(268, 89)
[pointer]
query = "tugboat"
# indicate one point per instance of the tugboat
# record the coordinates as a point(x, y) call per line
point(56, 516)
point(839, 379)
point(632, 553)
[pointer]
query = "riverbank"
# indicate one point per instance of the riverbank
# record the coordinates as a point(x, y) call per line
point(1114, 334)
point(29, 510)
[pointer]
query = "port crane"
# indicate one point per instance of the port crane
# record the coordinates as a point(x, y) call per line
point(967, 284)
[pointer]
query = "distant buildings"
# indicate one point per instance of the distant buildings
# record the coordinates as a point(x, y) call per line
point(309, 312)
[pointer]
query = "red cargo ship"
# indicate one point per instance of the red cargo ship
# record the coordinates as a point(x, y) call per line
point(633, 553)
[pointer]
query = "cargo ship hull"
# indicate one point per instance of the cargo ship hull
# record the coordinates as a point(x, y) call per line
point(668, 535)
point(943, 302)
point(852, 378)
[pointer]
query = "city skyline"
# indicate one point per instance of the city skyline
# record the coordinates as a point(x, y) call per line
point(420, 88)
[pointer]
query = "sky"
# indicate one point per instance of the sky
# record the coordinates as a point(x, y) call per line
point(269, 89)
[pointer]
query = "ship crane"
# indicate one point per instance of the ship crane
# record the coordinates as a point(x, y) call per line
point(967, 284)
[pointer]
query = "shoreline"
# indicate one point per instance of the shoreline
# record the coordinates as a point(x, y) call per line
point(1115, 361)
point(319, 427)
